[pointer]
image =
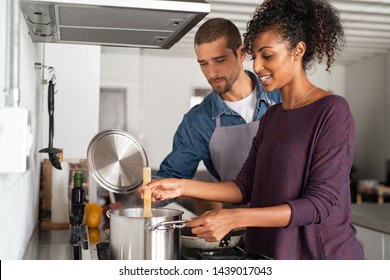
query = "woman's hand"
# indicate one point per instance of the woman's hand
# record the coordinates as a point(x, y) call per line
point(213, 225)
point(163, 189)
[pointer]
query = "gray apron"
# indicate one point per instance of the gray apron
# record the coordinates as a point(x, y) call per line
point(229, 147)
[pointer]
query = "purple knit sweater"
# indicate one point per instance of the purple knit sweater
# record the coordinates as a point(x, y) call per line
point(303, 157)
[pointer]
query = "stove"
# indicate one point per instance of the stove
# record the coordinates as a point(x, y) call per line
point(103, 250)
point(236, 253)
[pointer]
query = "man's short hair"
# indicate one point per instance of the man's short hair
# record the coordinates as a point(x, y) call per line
point(216, 28)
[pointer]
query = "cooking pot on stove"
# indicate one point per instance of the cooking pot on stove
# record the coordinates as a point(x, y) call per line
point(133, 237)
point(116, 161)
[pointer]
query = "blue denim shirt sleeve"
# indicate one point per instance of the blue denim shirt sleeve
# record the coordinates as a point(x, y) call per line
point(190, 146)
point(183, 161)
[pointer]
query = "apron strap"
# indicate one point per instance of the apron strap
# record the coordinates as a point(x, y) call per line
point(218, 121)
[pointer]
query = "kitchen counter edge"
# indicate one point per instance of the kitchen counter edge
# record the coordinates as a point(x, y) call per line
point(372, 216)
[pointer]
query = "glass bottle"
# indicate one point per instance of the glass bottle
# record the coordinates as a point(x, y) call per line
point(77, 207)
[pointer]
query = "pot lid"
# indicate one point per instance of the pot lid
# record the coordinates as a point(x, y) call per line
point(116, 161)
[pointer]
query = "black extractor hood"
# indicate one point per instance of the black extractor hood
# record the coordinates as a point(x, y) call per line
point(124, 23)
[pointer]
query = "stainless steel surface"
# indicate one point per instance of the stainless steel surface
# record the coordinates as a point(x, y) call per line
point(49, 245)
point(135, 23)
point(55, 245)
point(116, 161)
point(130, 241)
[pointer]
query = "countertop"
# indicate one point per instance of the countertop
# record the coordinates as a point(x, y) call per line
point(49, 245)
point(55, 245)
point(372, 216)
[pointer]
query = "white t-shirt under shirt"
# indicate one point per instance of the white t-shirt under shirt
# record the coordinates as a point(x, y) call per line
point(245, 107)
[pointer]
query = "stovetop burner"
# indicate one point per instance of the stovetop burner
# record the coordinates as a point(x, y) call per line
point(235, 253)
point(103, 252)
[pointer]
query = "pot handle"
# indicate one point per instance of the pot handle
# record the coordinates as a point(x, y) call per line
point(225, 240)
point(169, 225)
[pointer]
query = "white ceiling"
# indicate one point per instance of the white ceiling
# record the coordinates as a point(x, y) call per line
point(366, 25)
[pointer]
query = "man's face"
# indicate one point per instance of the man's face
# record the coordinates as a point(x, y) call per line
point(219, 65)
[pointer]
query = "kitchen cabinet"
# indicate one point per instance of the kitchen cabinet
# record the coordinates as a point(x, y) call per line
point(387, 247)
point(372, 222)
point(373, 243)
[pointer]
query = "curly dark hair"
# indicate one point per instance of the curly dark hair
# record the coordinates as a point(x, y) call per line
point(314, 22)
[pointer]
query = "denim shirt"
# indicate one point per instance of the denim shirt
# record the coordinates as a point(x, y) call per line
point(192, 138)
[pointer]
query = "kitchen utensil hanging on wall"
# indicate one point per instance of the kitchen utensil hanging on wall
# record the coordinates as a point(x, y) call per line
point(53, 152)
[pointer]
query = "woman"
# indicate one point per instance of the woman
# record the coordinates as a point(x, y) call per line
point(296, 176)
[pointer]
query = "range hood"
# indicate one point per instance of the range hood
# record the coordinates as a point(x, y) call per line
point(127, 23)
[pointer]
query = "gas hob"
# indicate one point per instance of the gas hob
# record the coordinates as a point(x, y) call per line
point(103, 253)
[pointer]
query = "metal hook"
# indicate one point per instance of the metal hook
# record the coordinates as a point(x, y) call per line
point(51, 72)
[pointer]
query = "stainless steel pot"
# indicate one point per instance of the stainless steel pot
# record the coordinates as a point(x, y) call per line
point(133, 237)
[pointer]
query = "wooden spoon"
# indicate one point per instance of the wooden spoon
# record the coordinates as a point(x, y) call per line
point(147, 193)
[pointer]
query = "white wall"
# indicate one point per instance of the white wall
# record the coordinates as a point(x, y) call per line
point(159, 86)
point(19, 193)
point(125, 74)
point(166, 86)
point(368, 94)
point(76, 112)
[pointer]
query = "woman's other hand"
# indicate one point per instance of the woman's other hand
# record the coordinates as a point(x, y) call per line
point(213, 225)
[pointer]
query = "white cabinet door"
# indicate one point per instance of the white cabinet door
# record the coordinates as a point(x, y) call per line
point(387, 246)
point(373, 243)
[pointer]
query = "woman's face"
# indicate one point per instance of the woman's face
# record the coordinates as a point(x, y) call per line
point(273, 61)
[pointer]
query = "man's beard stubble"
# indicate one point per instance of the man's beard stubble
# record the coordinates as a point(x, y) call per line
point(226, 87)
point(228, 83)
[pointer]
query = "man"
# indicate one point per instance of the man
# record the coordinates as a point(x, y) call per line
point(219, 131)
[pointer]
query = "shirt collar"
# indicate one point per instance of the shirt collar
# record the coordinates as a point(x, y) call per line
point(219, 107)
